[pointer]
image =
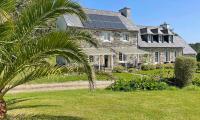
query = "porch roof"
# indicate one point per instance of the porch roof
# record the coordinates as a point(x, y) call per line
point(98, 51)
point(130, 50)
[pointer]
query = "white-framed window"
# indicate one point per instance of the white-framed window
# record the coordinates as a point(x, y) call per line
point(125, 37)
point(157, 57)
point(122, 57)
point(160, 38)
point(150, 38)
point(106, 36)
point(167, 56)
point(91, 58)
point(175, 55)
point(171, 38)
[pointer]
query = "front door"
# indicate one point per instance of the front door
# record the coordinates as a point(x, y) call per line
point(106, 60)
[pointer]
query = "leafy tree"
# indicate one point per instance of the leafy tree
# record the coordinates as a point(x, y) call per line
point(196, 47)
point(198, 57)
point(22, 54)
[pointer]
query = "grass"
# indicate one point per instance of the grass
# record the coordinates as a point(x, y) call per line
point(106, 105)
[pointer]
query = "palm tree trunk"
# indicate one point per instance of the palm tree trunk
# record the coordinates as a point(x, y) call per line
point(3, 109)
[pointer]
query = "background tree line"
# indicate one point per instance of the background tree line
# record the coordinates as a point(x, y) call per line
point(196, 47)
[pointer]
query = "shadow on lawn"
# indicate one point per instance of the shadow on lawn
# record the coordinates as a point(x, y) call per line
point(43, 117)
point(12, 104)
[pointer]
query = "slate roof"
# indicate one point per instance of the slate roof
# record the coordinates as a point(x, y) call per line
point(129, 50)
point(145, 31)
point(99, 19)
point(188, 50)
point(98, 51)
point(109, 20)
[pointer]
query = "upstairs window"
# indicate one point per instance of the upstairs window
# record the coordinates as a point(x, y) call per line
point(125, 37)
point(156, 38)
point(106, 36)
point(160, 38)
point(157, 57)
point(171, 38)
point(166, 38)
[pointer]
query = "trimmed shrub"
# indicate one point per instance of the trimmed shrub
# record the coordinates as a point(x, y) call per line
point(145, 83)
point(105, 75)
point(148, 67)
point(118, 69)
point(168, 66)
point(159, 66)
point(132, 70)
point(198, 65)
point(196, 80)
point(184, 70)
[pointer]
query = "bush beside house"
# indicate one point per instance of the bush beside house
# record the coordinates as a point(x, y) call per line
point(118, 69)
point(138, 83)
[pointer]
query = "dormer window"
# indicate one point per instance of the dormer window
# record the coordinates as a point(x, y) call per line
point(168, 38)
point(106, 36)
point(171, 38)
point(160, 38)
point(125, 37)
point(156, 38)
point(150, 39)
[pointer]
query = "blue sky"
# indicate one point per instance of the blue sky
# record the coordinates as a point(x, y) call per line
point(182, 15)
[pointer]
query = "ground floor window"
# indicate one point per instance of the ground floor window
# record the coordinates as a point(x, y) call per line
point(91, 58)
point(157, 57)
point(175, 55)
point(122, 57)
point(167, 56)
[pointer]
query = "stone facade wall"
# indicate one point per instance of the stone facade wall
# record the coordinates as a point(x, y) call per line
point(162, 53)
point(115, 39)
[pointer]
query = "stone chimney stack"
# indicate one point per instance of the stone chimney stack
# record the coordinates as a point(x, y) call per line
point(165, 25)
point(126, 12)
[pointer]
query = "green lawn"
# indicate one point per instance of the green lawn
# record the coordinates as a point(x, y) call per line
point(66, 78)
point(106, 105)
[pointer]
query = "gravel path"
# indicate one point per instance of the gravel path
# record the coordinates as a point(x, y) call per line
point(59, 86)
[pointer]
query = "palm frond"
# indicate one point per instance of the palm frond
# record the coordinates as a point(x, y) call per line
point(6, 31)
point(80, 36)
point(31, 53)
point(31, 74)
point(6, 6)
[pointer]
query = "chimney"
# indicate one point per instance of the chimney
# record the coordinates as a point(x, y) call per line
point(126, 12)
point(165, 25)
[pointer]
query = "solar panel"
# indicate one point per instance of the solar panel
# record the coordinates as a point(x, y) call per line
point(104, 21)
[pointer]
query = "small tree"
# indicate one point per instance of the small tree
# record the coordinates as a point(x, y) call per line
point(23, 53)
point(184, 70)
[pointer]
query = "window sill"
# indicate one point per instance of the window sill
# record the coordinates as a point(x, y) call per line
point(125, 40)
point(107, 41)
point(122, 61)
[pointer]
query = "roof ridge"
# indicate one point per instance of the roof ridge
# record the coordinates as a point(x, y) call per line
point(101, 10)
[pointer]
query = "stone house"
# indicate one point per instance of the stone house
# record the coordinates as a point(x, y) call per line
point(121, 42)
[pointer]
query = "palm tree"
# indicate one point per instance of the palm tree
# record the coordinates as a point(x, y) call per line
point(22, 54)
